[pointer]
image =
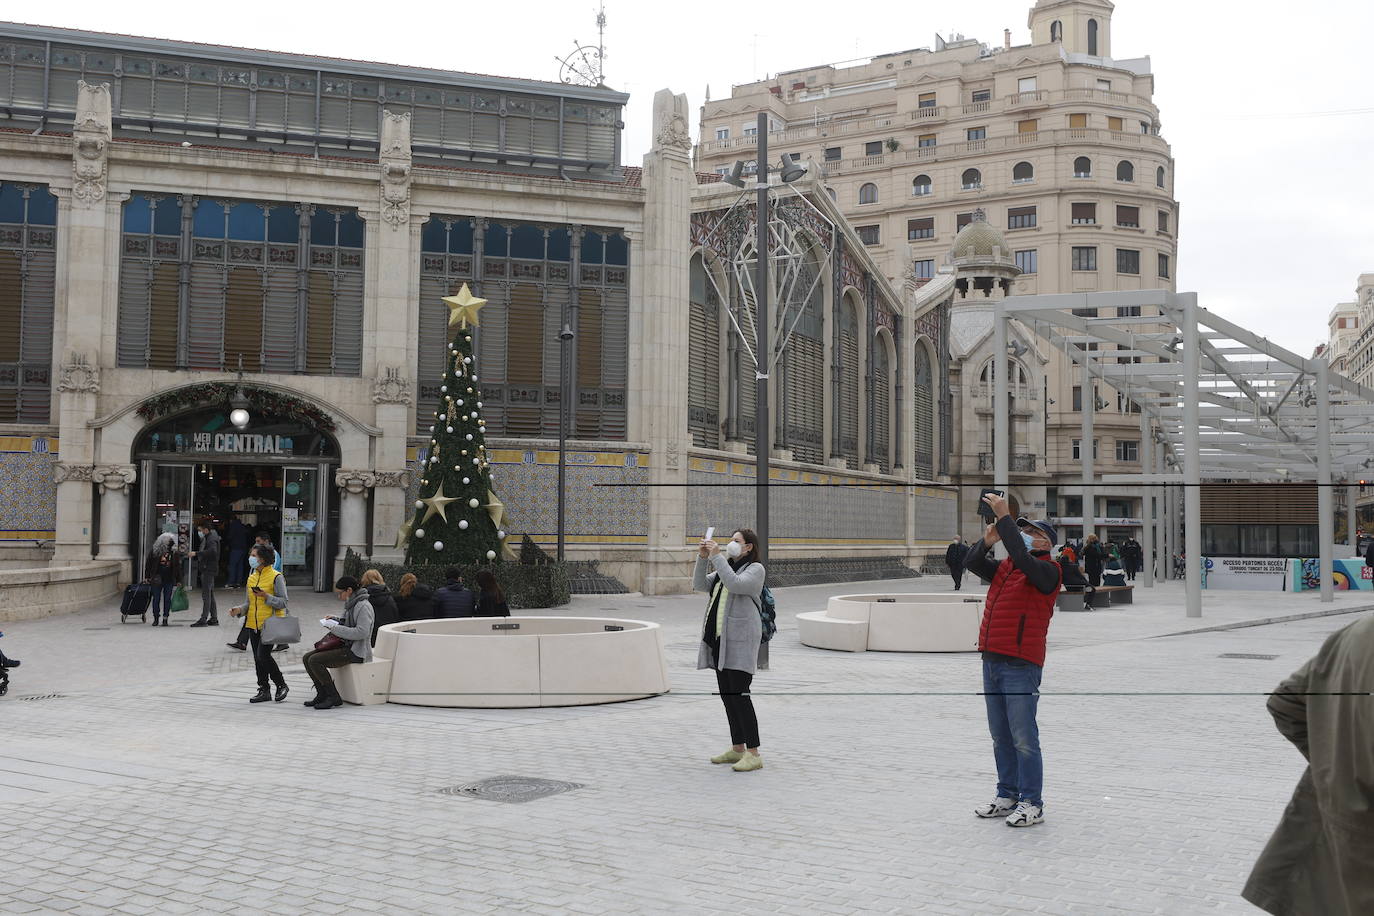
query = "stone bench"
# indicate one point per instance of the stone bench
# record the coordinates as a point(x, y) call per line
point(894, 623)
point(1070, 601)
point(1116, 594)
point(363, 683)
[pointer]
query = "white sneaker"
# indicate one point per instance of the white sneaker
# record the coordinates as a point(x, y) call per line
point(995, 808)
point(1026, 815)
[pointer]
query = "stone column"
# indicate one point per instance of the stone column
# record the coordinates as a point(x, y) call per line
point(658, 368)
point(114, 481)
point(353, 487)
point(83, 224)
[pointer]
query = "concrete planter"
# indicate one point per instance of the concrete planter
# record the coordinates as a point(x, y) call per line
point(894, 623)
point(27, 594)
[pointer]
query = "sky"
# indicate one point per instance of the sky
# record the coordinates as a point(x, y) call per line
point(1271, 118)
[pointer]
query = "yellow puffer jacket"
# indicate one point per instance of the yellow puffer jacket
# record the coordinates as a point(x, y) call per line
point(265, 578)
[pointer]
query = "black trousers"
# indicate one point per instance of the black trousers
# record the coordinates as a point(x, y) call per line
point(957, 574)
point(263, 662)
point(317, 662)
point(209, 611)
point(739, 708)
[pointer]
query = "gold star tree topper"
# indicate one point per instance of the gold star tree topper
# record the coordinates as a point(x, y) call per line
point(463, 308)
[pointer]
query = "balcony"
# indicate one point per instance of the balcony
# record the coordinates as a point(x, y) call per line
point(1020, 464)
point(1076, 136)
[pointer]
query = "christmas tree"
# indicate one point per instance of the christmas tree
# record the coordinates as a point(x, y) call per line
point(457, 519)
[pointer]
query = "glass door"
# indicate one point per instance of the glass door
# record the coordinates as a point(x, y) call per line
point(300, 526)
point(167, 509)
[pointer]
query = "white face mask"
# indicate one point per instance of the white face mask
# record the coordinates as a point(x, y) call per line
point(733, 550)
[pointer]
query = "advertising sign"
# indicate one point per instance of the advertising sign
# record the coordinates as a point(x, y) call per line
point(1348, 575)
point(1245, 573)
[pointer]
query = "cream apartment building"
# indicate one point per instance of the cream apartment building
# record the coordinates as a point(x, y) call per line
point(1350, 351)
point(1057, 141)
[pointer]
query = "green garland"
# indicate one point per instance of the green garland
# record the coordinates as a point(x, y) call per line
point(264, 402)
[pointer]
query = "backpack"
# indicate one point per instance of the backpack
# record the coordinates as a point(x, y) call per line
point(768, 613)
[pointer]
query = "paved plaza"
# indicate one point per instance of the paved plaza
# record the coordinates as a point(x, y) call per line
point(136, 778)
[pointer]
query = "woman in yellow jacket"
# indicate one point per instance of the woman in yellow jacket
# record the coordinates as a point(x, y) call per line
point(266, 598)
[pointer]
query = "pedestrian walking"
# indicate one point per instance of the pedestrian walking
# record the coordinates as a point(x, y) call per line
point(954, 559)
point(1317, 861)
point(414, 599)
point(732, 637)
point(1132, 557)
point(383, 602)
point(354, 629)
point(1093, 558)
point(1012, 637)
point(454, 598)
point(261, 540)
point(163, 569)
point(491, 601)
point(238, 538)
point(206, 556)
point(1369, 553)
point(267, 597)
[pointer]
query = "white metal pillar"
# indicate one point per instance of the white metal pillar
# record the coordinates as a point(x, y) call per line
point(1326, 520)
point(1192, 457)
point(1147, 515)
point(1161, 529)
point(1088, 401)
point(1001, 403)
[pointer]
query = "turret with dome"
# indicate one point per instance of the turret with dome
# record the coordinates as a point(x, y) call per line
point(982, 262)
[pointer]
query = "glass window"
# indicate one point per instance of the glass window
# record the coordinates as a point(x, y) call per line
point(322, 227)
point(207, 222)
point(1082, 167)
point(1104, 85)
point(1163, 220)
point(925, 140)
point(1083, 214)
point(527, 242)
point(1076, 444)
point(926, 100)
point(873, 148)
point(1159, 177)
point(1025, 84)
point(593, 248)
point(921, 186)
point(617, 250)
point(1125, 171)
point(722, 133)
point(1297, 541)
point(1164, 267)
point(1127, 261)
point(283, 225)
point(1127, 450)
point(138, 216)
point(1021, 218)
point(832, 153)
point(1128, 216)
point(1028, 260)
point(1084, 257)
point(868, 194)
point(1221, 540)
point(559, 248)
point(977, 133)
point(972, 179)
point(869, 235)
point(923, 269)
point(1259, 541)
point(961, 220)
point(1023, 171)
point(167, 217)
point(1078, 121)
point(1077, 399)
point(247, 222)
point(981, 95)
point(1114, 124)
point(350, 229)
point(922, 228)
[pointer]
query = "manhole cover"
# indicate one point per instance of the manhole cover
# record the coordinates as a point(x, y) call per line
point(512, 789)
point(1246, 655)
point(46, 696)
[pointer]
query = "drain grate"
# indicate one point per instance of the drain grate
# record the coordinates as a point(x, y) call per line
point(511, 789)
point(46, 696)
point(1246, 655)
point(89, 629)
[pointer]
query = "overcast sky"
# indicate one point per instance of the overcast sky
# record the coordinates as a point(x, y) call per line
point(1271, 118)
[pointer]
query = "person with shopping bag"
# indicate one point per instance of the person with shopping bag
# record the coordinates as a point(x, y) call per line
point(267, 598)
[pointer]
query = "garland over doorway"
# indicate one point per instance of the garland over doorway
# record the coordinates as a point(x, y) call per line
point(262, 401)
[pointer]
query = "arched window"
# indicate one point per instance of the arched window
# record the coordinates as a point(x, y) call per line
point(846, 443)
point(1056, 31)
point(921, 186)
point(801, 415)
point(868, 194)
point(1082, 167)
point(1092, 37)
point(831, 192)
point(703, 348)
point(972, 180)
point(882, 406)
point(923, 422)
point(1159, 177)
point(1125, 171)
point(1023, 171)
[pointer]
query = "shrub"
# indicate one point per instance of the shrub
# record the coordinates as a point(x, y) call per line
point(527, 586)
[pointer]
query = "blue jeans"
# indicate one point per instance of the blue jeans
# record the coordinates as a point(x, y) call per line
point(238, 567)
point(163, 591)
point(1011, 690)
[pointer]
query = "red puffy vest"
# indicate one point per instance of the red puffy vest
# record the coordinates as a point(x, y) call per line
point(1017, 615)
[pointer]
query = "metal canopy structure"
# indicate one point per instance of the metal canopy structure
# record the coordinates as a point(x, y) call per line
point(1224, 404)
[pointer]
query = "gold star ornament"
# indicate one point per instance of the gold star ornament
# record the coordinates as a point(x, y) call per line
point(402, 535)
point(438, 505)
point(495, 508)
point(462, 308)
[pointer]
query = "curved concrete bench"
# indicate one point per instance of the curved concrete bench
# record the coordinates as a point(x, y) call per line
point(493, 662)
point(894, 623)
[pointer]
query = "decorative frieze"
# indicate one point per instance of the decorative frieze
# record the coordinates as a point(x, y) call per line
point(91, 141)
point(399, 479)
point(392, 387)
point(354, 482)
point(115, 477)
point(394, 159)
point(79, 376)
point(62, 473)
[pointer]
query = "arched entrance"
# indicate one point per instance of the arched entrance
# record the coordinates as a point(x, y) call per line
point(273, 476)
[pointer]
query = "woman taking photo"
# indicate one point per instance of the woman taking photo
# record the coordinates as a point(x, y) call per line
point(266, 598)
point(491, 601)
point(732, 637)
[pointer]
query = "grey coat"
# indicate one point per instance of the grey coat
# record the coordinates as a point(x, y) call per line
point(1318, 860)
point(741, 636)
point(356, 626)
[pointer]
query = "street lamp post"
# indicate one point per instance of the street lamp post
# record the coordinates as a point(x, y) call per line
point(565, 338)
point(761, 438)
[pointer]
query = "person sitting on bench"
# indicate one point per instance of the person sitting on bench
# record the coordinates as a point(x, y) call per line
point(1074, 580)
point(1113, 573)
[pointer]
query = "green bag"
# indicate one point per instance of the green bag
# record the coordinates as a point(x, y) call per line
point(179, 600)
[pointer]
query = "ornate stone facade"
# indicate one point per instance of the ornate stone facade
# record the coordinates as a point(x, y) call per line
point(91, 141)
point(392, 387)
point(395, 167)
point(79, 376)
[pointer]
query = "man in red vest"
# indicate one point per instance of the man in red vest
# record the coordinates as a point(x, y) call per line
point(1016, 619)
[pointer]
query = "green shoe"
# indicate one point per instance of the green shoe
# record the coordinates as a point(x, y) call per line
point(748, 762)
point(730, 756)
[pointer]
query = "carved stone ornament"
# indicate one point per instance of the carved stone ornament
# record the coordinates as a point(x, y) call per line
point(394, 160)
point(355, 483)
point(79, 376)
point(400, 479)
point(62, 473)
point(91, 141)
point(672, 458)
point(115, 477)
point(391, 388)
point(670, 121)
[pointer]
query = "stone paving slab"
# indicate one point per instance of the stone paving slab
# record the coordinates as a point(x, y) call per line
point(1164, 777)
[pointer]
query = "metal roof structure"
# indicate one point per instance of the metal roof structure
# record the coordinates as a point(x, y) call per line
point(1223, 403)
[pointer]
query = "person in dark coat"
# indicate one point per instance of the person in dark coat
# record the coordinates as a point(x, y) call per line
point(454, 599)
point(414, 599)
point(1369, 553)
point(1132, 557)
point(163, 570)
point(491, 601)
point(207, 567)
point(954, 559)
point(237, 539)
point(1093, 558)
point(1317, 861)
point(1073, 578)
point(383, 603)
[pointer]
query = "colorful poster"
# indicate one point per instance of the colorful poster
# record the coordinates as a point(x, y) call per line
point(1245, 573)
point(1347, 575)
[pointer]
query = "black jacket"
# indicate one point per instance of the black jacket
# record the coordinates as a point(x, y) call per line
point(169, 574)
point(207, 555)
point(383, 608)
point(418, 605)
point(454, 600)
point(488, 606)
point(1093, 556)
point(955, 554)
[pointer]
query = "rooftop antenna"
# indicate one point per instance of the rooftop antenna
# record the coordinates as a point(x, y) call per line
point(585, 66)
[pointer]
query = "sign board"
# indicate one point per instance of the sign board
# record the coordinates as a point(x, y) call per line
point(1348, 575)
point(1245, 573)
point(293, 546)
